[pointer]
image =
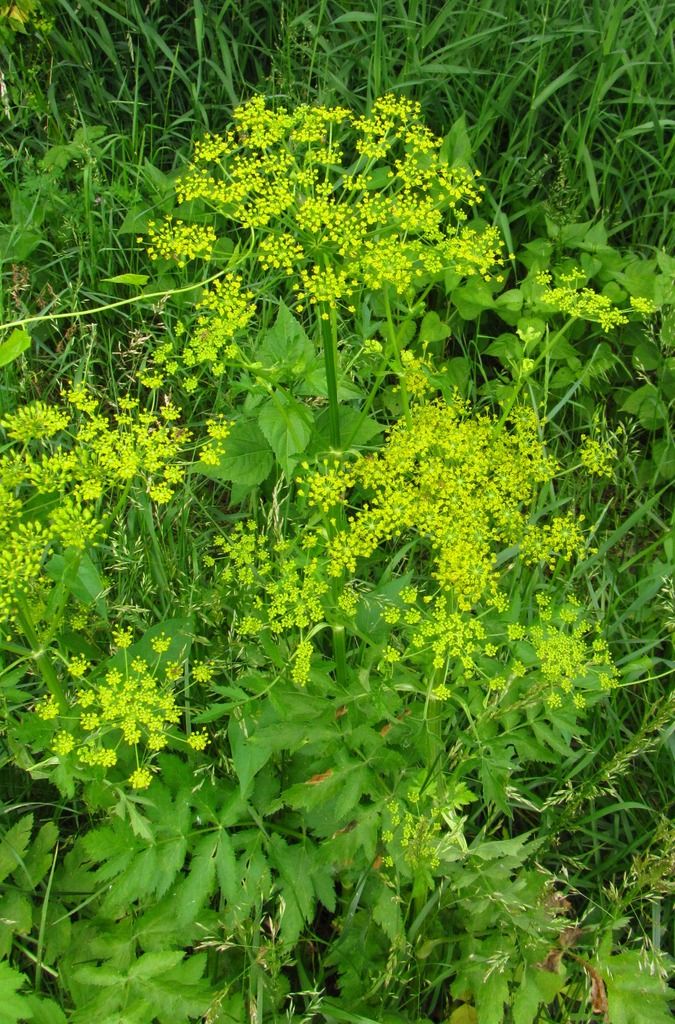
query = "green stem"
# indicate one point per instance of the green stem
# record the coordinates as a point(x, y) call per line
point(329, 338)
point(545, 352)
point(45, 667)
point(112, 305)
point(393, 339)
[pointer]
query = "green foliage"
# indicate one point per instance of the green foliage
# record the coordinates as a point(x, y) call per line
point(335, 603)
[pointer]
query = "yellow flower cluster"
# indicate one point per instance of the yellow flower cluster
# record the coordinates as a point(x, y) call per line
point(91, 462)
point(283, 593)
point(388, 221)
point(567, 659)
point(218, 430)
point(450, 634)
point(301, 663)
point(561, 538)
point(36, 421)
point(175, 240)
point(418, 834)
point(326, 487)
point(226, 308)
point(586, 305)
point(449, 478)
point(597, 457)
point(129, 707)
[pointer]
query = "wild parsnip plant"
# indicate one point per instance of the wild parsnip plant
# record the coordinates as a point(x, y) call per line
point(334, 613)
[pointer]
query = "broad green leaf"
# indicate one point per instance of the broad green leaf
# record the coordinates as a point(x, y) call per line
point(433, 329)
point(98, 976)
point(492, 996)
point(314, 384)
point(387, 913)
point(536, 987)
point(472, 298)
point(16, 918)
point(648, 405)
point(39, 856)
point(356, 430)
point(510, 301)
point(136, 882)
point(456, 148)
point(16, 244)
point(464, 1014)
point(248, 757)
point(12, 347)
point(287, 425)
point(135, 221)
point(637, 993)
point(285, 345)
point(506, 348)
point(530, 330)
point(86, 585)
point(247, 457)
point(226, 868)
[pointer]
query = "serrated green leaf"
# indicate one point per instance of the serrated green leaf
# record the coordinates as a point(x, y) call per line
point(287, 426)
point(285, 346)
point(136, 882)
point(247, 457)
point(492, 996)
point(637, 992)
point(194, 892)
point(536, 987)
point(12, 347)
point(98, 976)
point(387, 913)
point(13, 846)
point(149, 965)
point(293, 864)
point(16, 918)
point(226, 868)
point(13, 1007)
point(45, 1011)
point(247, 756)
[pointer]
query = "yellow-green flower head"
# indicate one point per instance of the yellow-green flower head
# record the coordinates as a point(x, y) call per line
point(450, 478)
point(596, 456)
point(175, 240)
point(279, 181)
point(36, 421)
point(81, 468)
point(587, 305)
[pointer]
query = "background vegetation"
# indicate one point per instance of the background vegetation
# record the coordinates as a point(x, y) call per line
point(567, 111)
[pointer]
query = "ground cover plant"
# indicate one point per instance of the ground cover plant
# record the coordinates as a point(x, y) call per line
point(336, 517)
